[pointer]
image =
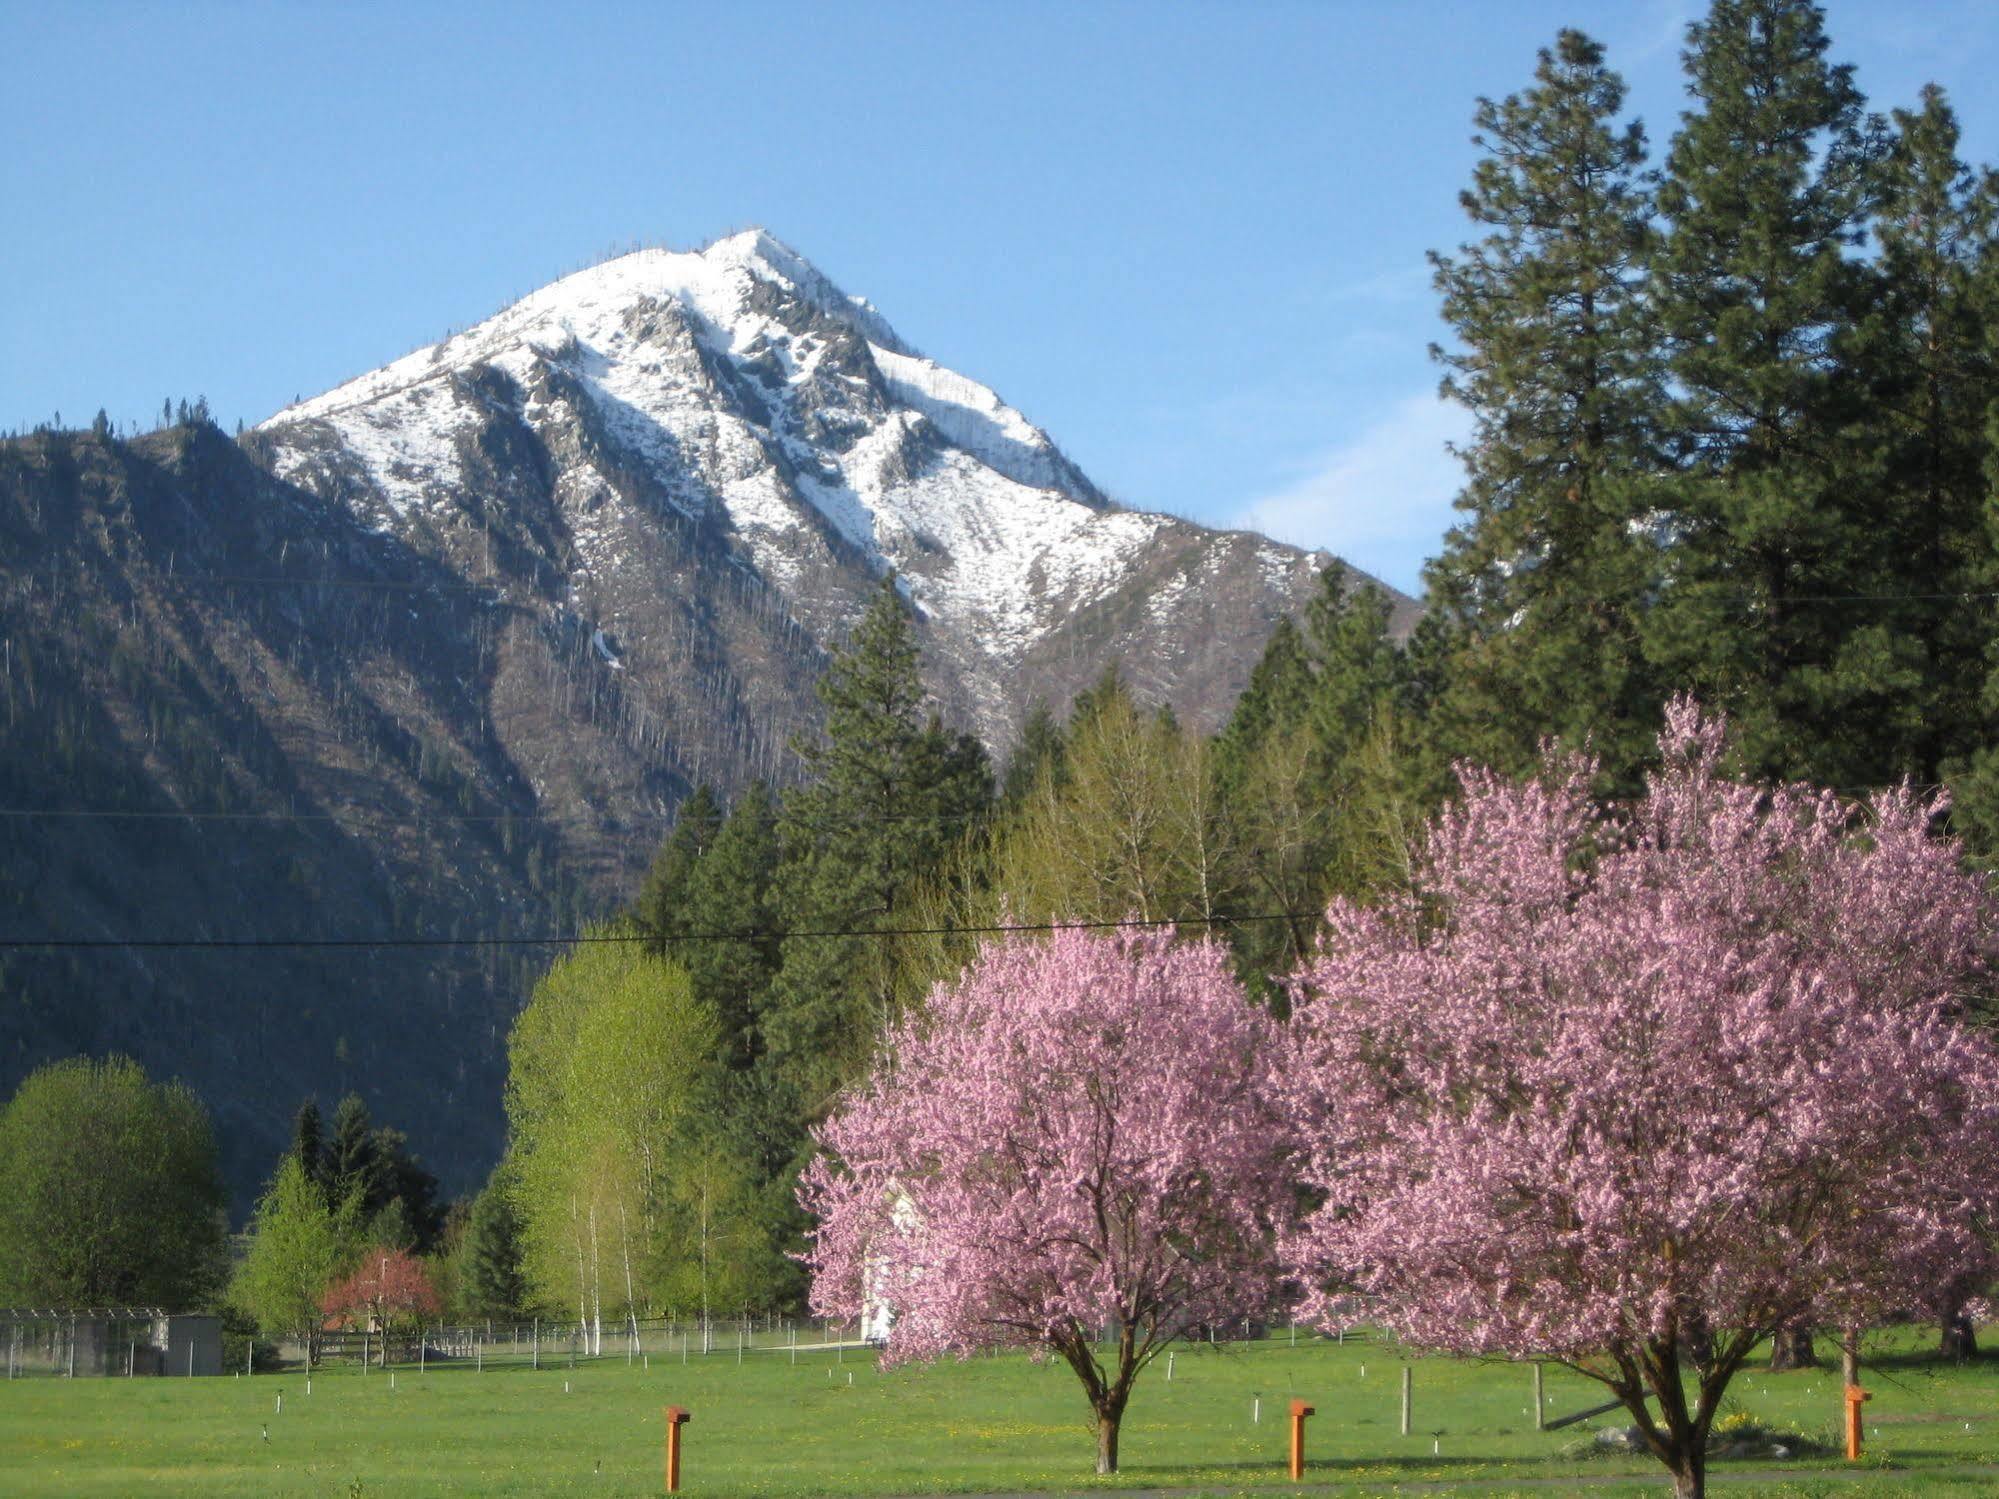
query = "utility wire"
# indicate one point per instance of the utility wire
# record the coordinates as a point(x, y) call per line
point(173, 581)
point(779, 819)
point(583, 939)
point(402, 819)
point(498, 585)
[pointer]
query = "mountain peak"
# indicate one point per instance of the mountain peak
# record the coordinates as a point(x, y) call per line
point(755, 243)
point(717, 285)
point(736, 394)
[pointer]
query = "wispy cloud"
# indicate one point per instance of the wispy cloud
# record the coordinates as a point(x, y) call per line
point(1660, 31)
point(1381, 501)
point(1396, 285)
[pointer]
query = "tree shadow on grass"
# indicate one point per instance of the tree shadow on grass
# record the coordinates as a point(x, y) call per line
point(1341, 1470)
point(1928, 1361)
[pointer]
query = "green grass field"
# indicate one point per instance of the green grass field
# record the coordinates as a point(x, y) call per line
point(767, 1426)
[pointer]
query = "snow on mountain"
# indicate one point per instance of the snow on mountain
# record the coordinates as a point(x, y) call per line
point(737, 390)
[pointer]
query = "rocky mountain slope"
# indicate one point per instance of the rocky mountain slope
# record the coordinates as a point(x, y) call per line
point(436, 654)
point(736, 401)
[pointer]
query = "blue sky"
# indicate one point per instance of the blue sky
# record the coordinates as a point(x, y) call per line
point(1186, 239)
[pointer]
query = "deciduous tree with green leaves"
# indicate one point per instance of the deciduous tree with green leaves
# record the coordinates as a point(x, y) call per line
point(109, 1190)
point(292, 1255)
point(604, 1065)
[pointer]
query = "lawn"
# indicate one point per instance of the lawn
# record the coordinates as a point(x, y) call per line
point(769, 1426)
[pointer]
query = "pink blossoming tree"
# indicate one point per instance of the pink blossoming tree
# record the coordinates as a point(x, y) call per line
point(390, 1290)
point(1075, 1148)
point(1631, 1091)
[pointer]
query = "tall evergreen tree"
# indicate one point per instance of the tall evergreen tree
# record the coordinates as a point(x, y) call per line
point(1039, 749)
point(729, 890)
point(1357, 670)
point(1316, 773)
point(1272, 701)
point(663, 901)
point(495, 1281)
point(368, 1170)
point(889, 790)
point(351, 1168)
point(408, 1190)
point(1927, 351)
point(1766, 191)
point(1543, 581)
point(307, 1148)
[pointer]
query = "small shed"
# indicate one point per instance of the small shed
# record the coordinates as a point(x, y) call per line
point(189, 1344)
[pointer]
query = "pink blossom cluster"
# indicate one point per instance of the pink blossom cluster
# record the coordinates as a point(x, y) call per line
point(1080, 1135)
point(1600, 1080)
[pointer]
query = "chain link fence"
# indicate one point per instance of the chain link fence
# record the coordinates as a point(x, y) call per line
point(100, 1342)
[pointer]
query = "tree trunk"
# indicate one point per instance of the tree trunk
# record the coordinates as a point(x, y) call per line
point(1107, 1425)
point(1690, 1477)
point(1960, 1340)
point(1696, 1342)
point(1791, 1349)
point(1849, 1356)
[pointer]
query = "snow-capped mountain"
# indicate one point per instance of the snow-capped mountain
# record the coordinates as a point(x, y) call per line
point(739, 400)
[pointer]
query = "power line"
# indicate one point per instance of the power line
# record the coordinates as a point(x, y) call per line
point(171, 580)
point(115, 814)
point(779, 818)
point(585, 939)
point(495, 587)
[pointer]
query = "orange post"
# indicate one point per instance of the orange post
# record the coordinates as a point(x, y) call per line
point(1299, 1411)
point(1855, 1396)
point(675, 1419)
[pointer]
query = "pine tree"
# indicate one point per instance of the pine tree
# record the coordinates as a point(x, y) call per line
point(1766, 189)
point(1039, 750)
point(729, 890)
point(1315, 774)
point(306, 1147)
point(1928, 356)
point(1357, 670)
point(495, 1283)
point(889, 790)
point(1272, 701)
point(1544, 579)
point(405, 1183)
point(351, 1169)
point(662, 904)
